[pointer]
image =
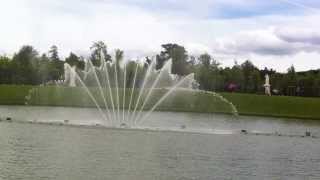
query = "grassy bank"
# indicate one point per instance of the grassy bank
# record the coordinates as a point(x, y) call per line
point(277, 106)
point(247, 104)
point(185, 101)
point(13, 94)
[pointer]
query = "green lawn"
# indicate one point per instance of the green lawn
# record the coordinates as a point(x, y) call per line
point(278, 106)
point(247, 104)
point(13, 95)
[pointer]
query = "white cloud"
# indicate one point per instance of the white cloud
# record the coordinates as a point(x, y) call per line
point(299, 35)
point(73, 26)
point(269, 42)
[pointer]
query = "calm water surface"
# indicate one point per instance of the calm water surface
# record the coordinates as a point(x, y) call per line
point(40, 151)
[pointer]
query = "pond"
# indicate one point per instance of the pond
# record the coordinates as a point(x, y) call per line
point(209, 147)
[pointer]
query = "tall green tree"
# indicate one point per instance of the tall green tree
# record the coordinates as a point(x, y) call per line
point(44, 69)
point(209, 74)
point(56, 69)
point(5, 70)
point(74, 60)
point(292, 76)
point(205, 60)
point(256, 81)
point(234, 76)
point(25, 63)
point(53, 53)
point(248, 68)
point(99, 51)
point(179, 57)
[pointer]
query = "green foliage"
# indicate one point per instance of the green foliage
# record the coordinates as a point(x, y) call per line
point(55, 66)
point(13, 94)
point(74, 60)
point(208, 74)
point(5, 70)
point(53, 52)
point(28, 68)
point(179, 57)
point(99, 52)
point(43, 67)
point(249, 82)
point(25, 63)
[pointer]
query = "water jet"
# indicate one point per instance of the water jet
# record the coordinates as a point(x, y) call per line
point(126, 95)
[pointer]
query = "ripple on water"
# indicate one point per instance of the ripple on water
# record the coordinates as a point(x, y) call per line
point(33, 151)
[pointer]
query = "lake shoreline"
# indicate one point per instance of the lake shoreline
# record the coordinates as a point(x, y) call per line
point(199, 102)
point(159, 130)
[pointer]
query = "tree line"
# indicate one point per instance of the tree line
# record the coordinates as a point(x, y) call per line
point(28, 67)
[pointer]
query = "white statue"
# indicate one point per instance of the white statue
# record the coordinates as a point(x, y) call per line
point(267, 85)
point(70, 75)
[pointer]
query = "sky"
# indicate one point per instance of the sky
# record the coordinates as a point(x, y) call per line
point(271, 33)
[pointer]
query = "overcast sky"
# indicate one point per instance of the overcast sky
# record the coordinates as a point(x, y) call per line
point(272, 33)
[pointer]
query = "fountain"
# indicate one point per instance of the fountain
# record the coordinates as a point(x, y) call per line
point(126, 94)
point(69, 75)
point(267, 85)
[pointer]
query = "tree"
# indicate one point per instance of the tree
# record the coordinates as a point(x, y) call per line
point(247, 68)
point(74, 60)
point(276, 80)
point(148, 61)
point(234, 76)
point(160, 61)
point(256, 81)
point(44, 69)
point(25, 64)
point(316, 85)
point(53, 53)
point(209, 74)
point(307, 84)
point(56, 65)
point(291, 75)
point(27, 67)
point(205, 59)
point(289, 82)
point(99, 51)
point(5, 70)
point(192, 61)
point(179, 57)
